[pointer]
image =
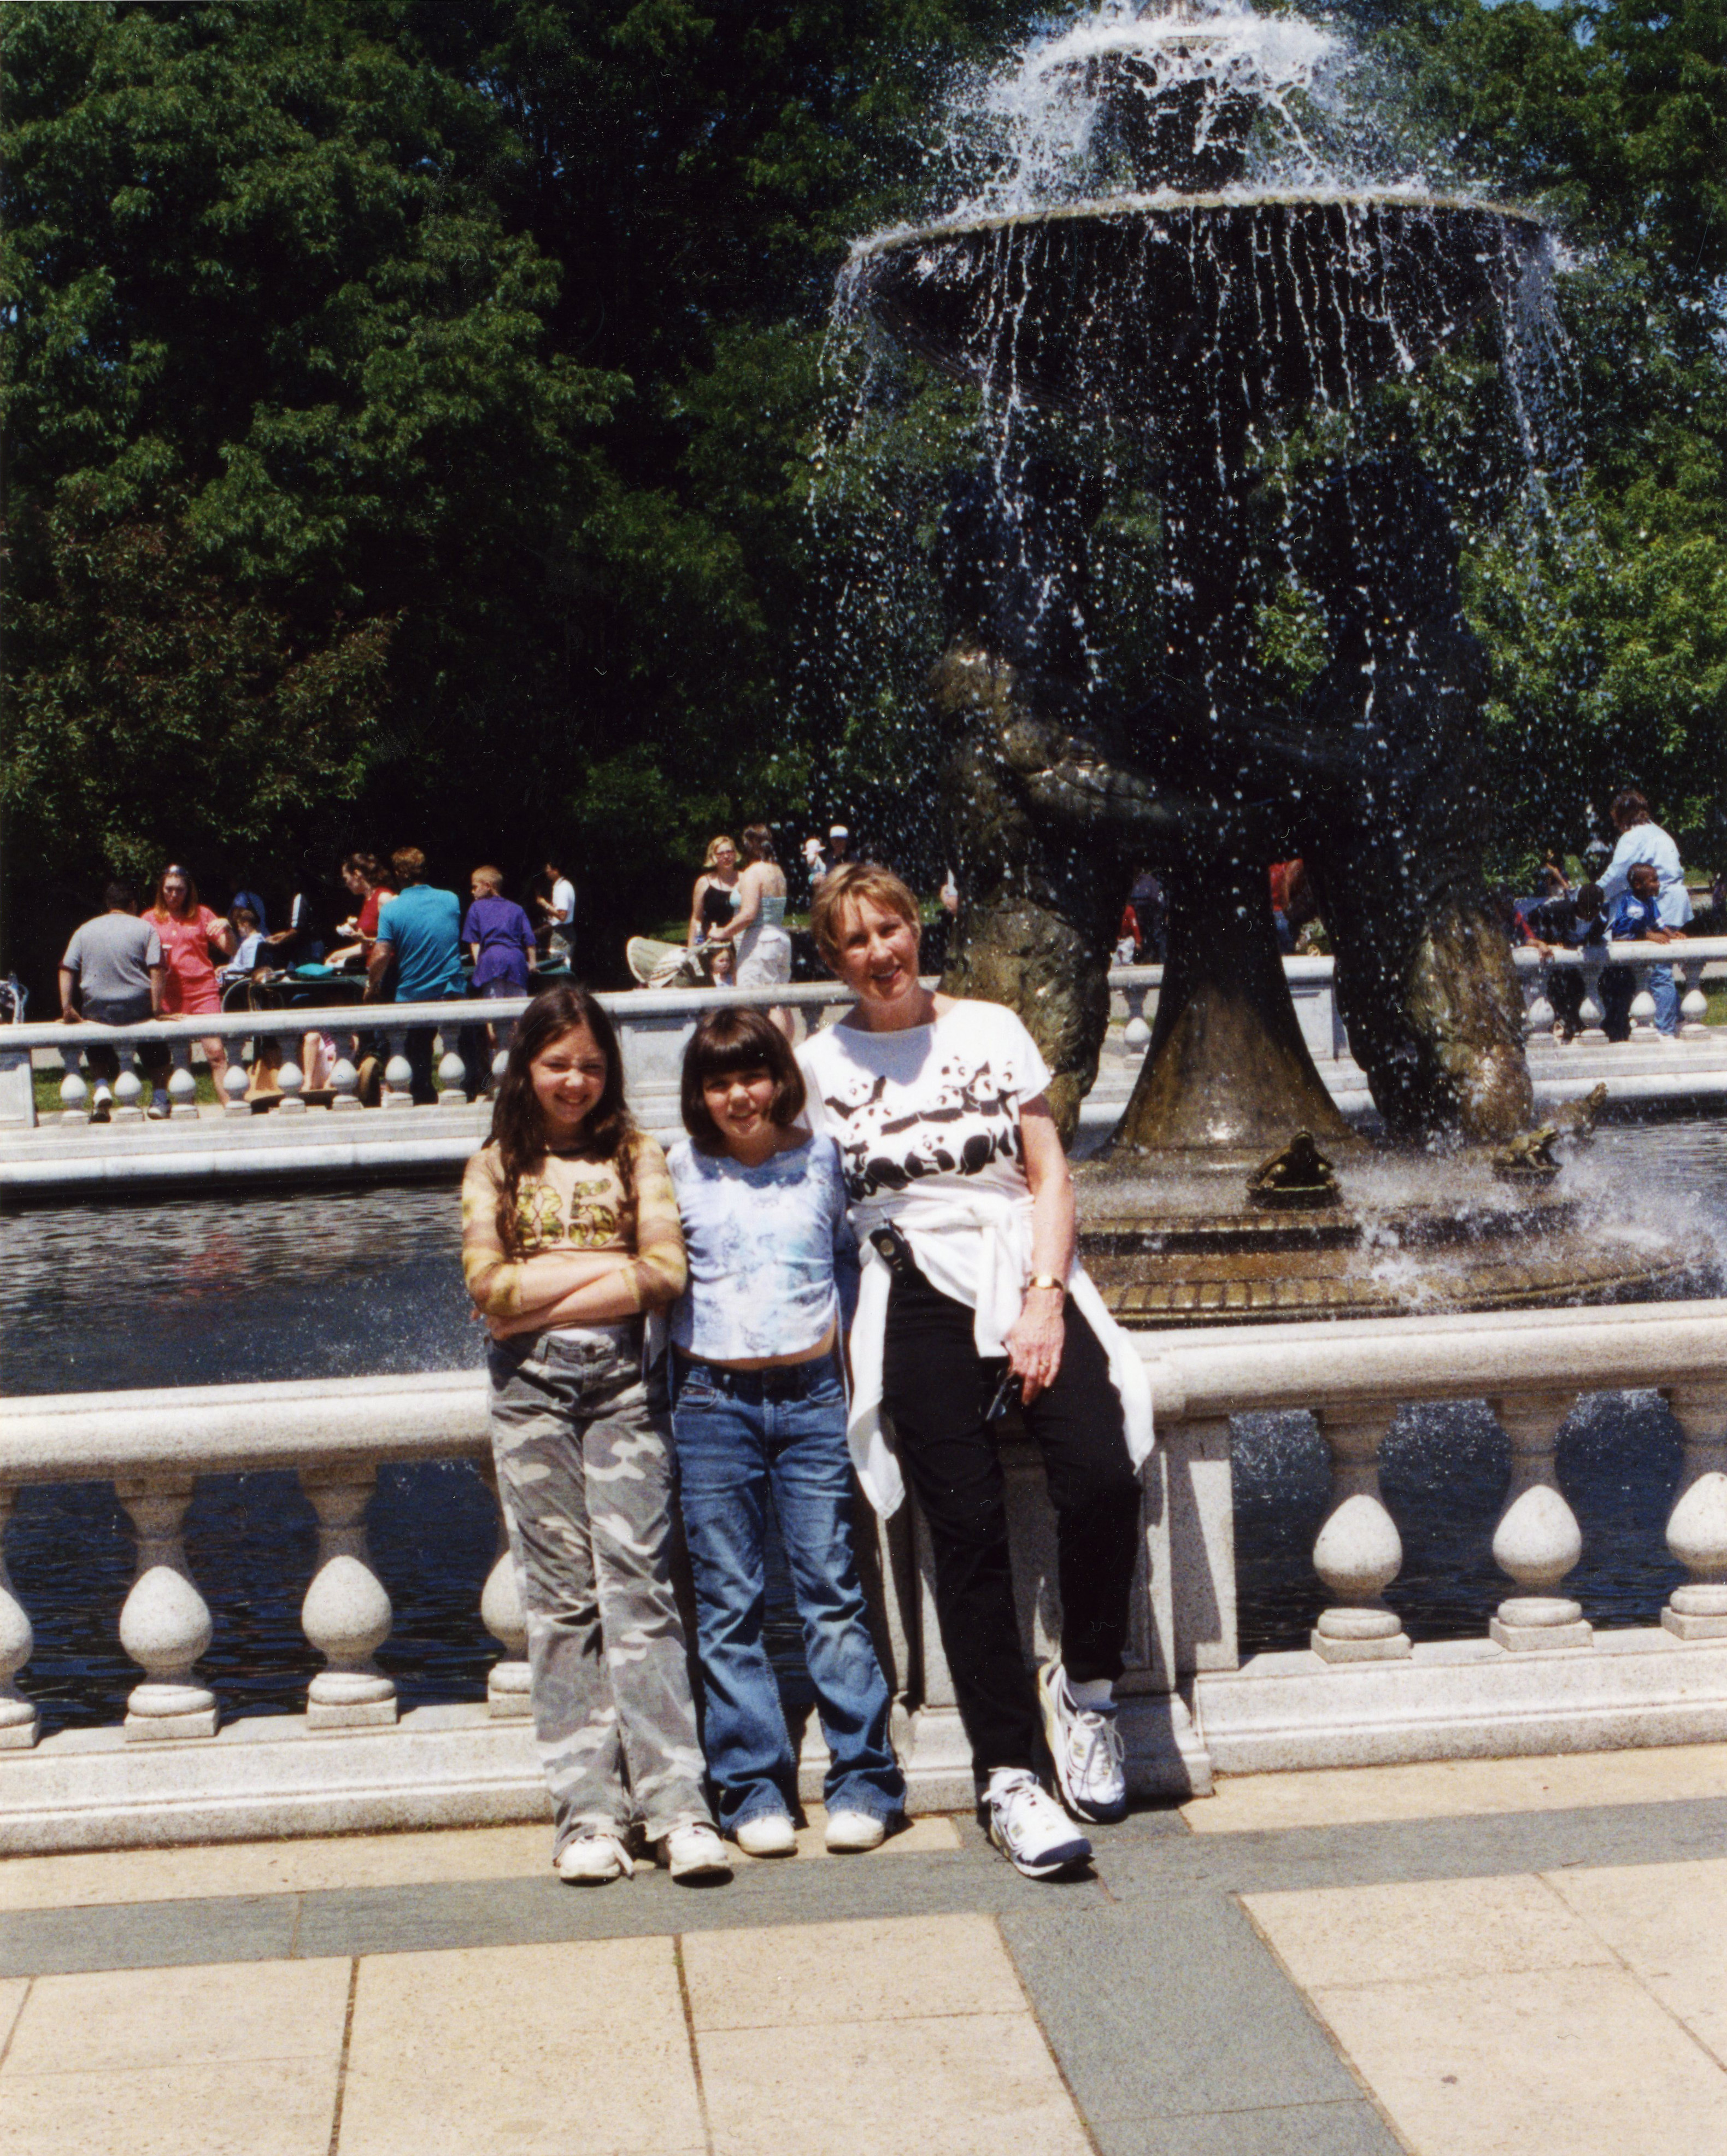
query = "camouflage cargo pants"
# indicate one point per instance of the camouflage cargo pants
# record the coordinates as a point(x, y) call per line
point(584, 1460)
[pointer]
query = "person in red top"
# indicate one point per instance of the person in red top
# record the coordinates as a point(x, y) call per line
point(194, 941)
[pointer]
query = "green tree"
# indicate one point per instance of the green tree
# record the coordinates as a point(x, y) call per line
point(478, 341)
point(279, 383)
point(1603, 617)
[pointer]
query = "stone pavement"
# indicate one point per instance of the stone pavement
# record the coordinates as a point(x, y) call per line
point(1460, 1960)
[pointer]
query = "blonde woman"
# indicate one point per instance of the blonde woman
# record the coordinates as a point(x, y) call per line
point(715, 897)
point(757, 931)
point(971, 1301)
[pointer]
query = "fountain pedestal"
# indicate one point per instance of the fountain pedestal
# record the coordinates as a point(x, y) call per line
point(1228, 1075)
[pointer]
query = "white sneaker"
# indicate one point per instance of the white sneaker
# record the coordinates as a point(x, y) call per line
point(1030, 1829)
point(766, 1833)
point(850, 1833)
point(1085, 1747)
point(593, 1858)
point(694, 1851)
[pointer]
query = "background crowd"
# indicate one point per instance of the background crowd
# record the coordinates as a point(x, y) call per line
point(408, 939)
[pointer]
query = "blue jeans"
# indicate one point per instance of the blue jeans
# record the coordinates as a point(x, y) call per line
point(1665, 990)
point(739, 1434)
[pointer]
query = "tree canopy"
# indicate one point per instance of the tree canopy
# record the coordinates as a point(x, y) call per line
point(412, 411)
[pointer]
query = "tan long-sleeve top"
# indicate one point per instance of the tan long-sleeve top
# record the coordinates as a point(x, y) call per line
point(572, 1205)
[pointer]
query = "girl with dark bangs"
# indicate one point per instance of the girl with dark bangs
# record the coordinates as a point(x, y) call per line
point(759, 1406)
point(570, 1242)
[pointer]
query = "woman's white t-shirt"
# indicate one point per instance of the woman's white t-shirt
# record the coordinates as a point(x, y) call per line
point(934, 1107)
point(928, 1126)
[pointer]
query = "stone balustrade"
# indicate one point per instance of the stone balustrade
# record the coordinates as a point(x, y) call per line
point(1541, 1677)
point(655, 1025)
point(1685, 960)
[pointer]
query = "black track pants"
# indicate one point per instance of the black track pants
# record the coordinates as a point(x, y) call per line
point(937, 1387)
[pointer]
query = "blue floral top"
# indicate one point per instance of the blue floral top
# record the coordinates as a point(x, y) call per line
point(772, 1258)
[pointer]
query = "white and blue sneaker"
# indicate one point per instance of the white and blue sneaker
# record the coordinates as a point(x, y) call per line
point(1029, 1828)
point(1085, 1749)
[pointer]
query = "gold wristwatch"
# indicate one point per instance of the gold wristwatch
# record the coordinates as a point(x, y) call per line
point(1049, 1280)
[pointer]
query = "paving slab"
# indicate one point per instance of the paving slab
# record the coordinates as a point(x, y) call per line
point(891, 2038)
point(109, 1877)
point(238, 2108)
point(1428, 1930)
point(160, 2063)
point(1667, 1923)
point(1580, 2012)
point(552, 2051)
point(119, 2019)
point(965, 2085)
point(1351, 2128)
point(102, 1878)
point(151, 1935)
point(1459, 1788)
point(1579, 2059)
point(1167, 2005)
point(889, 1969)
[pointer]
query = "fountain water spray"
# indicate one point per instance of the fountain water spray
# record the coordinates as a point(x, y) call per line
point(1158, 246)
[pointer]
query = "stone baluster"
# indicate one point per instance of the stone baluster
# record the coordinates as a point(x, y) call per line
point(509, 1685)
point(292, 1081)
point(1136, 1033)
point(345, 1086)
point(346, 1613)
point(234, 1082)
point(398, 1072)
point(1359, 1552)
point(1697, 1528)
point(20, 1725)
point(453, 1077)
point(183, 1085)
point(1694, 1004)
point(1643, 1004)
point(501, 1064)
point(1592, 1017)
point(165, 1624)
point(128, 1095)
point(1537, 1540)
point(1538, 1013)
point(74, 1098)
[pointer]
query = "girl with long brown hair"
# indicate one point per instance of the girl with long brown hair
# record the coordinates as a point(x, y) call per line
point(571, 1244)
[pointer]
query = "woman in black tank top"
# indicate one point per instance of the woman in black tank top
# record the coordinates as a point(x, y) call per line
point(715, 899)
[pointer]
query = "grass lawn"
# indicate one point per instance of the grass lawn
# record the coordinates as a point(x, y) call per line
point(48, 1089)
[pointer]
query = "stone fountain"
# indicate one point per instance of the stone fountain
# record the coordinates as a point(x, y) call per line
point(1200, 312)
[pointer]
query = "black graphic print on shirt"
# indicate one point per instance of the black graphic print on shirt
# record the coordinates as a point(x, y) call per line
point(966, 1120)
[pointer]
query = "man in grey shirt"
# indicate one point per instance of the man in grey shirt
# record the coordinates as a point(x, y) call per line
point(111, 974)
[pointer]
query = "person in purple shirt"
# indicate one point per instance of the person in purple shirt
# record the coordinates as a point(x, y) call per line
point(500, 940)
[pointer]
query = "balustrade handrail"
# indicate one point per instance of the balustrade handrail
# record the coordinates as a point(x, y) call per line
point(387, 1017)
point(224, 1429)
point(629, 1004)
point(1689, 951)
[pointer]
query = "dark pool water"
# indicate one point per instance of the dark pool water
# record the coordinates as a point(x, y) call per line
point(212, 1290)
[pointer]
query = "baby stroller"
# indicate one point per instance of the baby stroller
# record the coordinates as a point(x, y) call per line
point(658, 965)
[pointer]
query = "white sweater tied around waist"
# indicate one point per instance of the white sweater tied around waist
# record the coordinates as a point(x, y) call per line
point(977, 1250)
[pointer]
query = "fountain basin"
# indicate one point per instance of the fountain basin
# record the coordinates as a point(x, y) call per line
point(1160, 307)
point(1210, 1265)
